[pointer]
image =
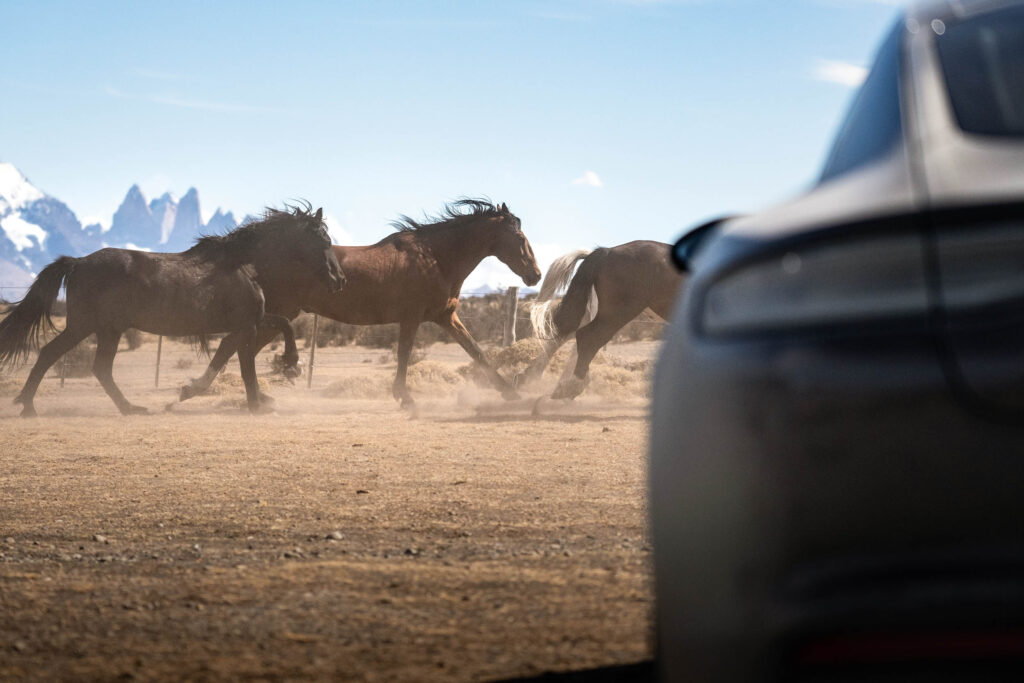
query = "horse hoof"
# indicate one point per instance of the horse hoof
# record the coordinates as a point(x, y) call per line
point(261, 409)
point(135, 410)
point(186, 393)
point(266, 399)
point(28, 411)
point(408, 403)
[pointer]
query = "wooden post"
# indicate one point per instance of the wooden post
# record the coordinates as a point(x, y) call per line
point(159, 351)
point(63, 369)
point(511, 311)
point(312, 351)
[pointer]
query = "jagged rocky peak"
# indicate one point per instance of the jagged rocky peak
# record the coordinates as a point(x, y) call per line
point(133, 222)
point(220, 222)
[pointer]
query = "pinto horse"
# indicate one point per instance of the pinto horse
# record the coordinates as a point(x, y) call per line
point(610, 288)
point(410, 277)
point(216, 286)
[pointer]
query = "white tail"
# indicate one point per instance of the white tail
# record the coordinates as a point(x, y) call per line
point(556, 280)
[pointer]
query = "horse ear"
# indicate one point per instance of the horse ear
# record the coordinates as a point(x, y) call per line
point(319, 215)
point(504, 208)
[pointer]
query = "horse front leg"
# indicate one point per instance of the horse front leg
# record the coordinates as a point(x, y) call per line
point(290, 357)
point(466, 341)
point(406, 337)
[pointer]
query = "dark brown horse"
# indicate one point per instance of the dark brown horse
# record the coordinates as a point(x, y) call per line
point(211, 288)
point(412, 276)
point(610, 288)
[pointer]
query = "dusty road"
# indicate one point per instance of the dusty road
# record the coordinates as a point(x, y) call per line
point(337, 538)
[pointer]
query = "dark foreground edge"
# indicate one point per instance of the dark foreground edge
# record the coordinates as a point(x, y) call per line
point(640, 672)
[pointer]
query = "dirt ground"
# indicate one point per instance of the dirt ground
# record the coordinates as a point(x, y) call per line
point(337, 538)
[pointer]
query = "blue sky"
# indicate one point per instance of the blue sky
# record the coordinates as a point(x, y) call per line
point(597, 121)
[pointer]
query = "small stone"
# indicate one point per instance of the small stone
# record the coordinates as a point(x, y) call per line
point(100, 538)
point(605, 429)
point(195, 546)
point(361, 491)
point(335, 536)
point(9, 540)
point(20, 645)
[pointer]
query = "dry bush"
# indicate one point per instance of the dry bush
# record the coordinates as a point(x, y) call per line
point(78, 361)
point(183, 363)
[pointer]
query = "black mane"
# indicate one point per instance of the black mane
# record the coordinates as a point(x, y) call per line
point(452, 213)
point(232, 248)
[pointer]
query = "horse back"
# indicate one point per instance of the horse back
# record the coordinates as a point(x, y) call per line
point(162, 293)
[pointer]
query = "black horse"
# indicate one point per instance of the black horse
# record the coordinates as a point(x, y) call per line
point(214, 287)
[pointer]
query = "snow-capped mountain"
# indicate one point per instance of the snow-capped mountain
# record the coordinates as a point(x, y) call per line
point(36, 228)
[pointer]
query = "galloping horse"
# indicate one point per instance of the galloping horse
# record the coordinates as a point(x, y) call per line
point(610, 288)
point(412, 276)
point(211, 288)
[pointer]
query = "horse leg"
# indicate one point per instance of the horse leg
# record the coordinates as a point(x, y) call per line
point(103, 368)
point(540, 363)
point(48, 355)
point(247, 364)
point(466, 341)
point(589, 340)
point(199, 385)
point(406, 336)
point(290, 357)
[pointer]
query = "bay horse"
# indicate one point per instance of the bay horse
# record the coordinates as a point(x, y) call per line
point(219, 285)
point(413, 275)
point(610, 287)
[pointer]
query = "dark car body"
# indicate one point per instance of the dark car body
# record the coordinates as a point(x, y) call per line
point(837, 449)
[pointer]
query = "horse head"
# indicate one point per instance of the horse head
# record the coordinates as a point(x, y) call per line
point(512, 248)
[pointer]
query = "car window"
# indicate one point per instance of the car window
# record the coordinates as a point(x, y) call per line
point(873, 124)
point(983, 62)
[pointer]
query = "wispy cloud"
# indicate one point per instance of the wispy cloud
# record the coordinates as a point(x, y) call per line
point(157, 75)
point(186, 103)
point(843, 73)
point(588, 179)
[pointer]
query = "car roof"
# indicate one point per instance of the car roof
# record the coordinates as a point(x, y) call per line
point(926, 11)
point(960, 169)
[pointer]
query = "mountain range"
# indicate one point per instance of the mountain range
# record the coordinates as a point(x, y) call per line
point(36, 228)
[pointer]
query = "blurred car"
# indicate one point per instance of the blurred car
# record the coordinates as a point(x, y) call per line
point(837, 448)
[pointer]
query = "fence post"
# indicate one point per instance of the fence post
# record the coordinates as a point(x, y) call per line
point(159, 351)
point(312, 351)
point(63, 368)
point(511, 311)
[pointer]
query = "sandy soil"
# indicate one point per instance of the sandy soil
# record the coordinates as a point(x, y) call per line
point(336, 538)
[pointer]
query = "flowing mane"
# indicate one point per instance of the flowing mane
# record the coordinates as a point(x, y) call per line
point(453, 213)
point(232, 248)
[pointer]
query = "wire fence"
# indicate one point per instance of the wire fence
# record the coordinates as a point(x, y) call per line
point(493, 320)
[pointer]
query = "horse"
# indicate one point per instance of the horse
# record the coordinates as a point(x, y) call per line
point(218, 285)
point(611, 286)
point(413, 275)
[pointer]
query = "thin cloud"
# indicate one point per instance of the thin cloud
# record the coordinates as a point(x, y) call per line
point(157, 75)
point(185, 103)
point(843, 73)
point(588, 179)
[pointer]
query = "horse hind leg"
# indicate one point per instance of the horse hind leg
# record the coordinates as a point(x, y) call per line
point(247, 364)
point(406, 337)
point(103, 369)
point(48, 355)
point(589, 340)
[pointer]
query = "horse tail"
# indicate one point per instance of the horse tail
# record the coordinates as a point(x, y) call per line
point(21, 329)
point(555, 280)
point(559, 318)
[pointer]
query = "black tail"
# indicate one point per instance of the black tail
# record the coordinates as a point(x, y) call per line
point(574, 304)
point(21, 329)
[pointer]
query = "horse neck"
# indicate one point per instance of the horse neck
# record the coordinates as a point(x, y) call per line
point(459, 249)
